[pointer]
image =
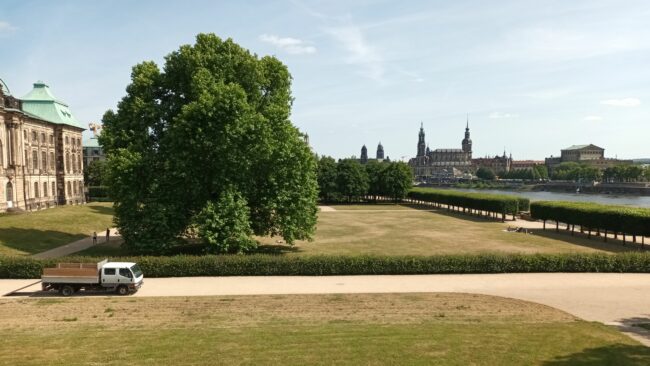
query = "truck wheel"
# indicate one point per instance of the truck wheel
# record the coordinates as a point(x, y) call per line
point(122, 290)
point(66, 290)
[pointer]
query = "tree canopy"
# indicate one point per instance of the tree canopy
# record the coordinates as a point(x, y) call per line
point(210, 130)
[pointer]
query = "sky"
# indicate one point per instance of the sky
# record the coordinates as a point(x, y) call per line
point(531, 77)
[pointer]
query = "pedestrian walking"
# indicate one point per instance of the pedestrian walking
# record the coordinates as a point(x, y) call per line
point(108, 234)
point(94, 237)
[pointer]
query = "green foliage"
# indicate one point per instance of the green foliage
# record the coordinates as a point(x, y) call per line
point(98, 193)
point(224, 225)
point(327, 178)
point(216, 117)
point(396, 180)
point(626, 173)
point(375, 171)
point(576, 172)
point(535, 173)
point(485, 173)
point(95, 173)
point(620, 219)
point(351, 179)
point(274, 265)
point(502, 204)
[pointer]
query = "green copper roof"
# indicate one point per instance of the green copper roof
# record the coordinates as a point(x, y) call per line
point(4, 87)
point(91, 142)
point(578, 147)
point(41, 103)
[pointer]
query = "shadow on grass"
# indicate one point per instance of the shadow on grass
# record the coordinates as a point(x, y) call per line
point(616, 354)
point(103, 210)
point(34, 241)
point(454, 214)
point(612, 245)
point(276, 249)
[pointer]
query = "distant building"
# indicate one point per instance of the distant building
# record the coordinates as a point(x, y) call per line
point(379, 157)
point(498, 164)
point(40, 151)
point(525, 164)
point(92, 151)
point(589, 154)
point(442, 163)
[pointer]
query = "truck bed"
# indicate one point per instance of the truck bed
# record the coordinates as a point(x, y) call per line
point(71, 273)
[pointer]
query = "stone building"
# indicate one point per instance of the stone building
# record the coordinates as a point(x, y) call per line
point(92, 151)
point(442, 163)
point(498, 164)
point(379, 156)
point(589, 154)
point(40, 151)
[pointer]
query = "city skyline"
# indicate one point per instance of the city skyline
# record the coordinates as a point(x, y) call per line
point(533, 80)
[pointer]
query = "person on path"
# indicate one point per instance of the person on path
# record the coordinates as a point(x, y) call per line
point(108, 234)
point(94, 237)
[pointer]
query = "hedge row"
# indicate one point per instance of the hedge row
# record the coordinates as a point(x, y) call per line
point(615, 219)
point(275, 265)
point(502, 204)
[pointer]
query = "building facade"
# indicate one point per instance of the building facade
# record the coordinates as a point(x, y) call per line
point(92, 151)
point(589, 154)
point(442, 163)
point(40, 151)
point(379, 156)
point(498, 164)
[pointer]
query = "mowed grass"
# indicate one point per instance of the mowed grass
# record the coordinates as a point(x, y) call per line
point(387, 229)
point(363, 329)
point(34, 232)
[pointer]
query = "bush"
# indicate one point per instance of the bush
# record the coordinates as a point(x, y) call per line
point(619, 219)
point(502, 204)
point(278, 265)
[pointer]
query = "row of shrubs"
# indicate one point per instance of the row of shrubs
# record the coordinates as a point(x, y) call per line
point(275, 265)
point(615, 219)
point(501, 204)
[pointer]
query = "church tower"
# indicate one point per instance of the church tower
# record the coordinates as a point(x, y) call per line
point(467, 142)
point(364, 154)
point(380, 152)
point(421, 144)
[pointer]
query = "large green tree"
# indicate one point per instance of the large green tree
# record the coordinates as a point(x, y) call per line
point(351, 179)
point(327, 178)
point(397, 179)
point(214, 120)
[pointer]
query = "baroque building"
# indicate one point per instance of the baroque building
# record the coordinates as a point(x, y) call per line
point(442, 163)
point(589, 154)
point(40, 151)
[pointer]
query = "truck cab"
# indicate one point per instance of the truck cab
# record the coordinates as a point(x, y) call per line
point(124, 277)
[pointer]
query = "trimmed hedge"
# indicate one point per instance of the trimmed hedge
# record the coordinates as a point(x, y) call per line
point(502, 204)
point(616, 219)
point(278, 265)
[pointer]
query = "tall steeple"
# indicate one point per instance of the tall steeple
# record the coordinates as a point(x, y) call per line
point(421, 144)
point(380, 151)
point(364, 154)
point(467, 142)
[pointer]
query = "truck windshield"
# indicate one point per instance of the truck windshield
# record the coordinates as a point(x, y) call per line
point(137, 272)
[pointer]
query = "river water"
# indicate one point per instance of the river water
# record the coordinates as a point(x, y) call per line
point(606, 199)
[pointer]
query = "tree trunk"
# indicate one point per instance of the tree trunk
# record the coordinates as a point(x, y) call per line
point(544, 227)
point(605, 236)
point(573, 229)
point(557, 226)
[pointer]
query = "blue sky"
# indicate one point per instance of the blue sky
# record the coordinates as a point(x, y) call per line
point(533, 76)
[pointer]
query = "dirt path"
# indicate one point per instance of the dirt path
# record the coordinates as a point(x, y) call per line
point(610, 298)
point(77, 246)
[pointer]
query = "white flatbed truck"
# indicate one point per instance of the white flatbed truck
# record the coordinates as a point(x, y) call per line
point(68, 278)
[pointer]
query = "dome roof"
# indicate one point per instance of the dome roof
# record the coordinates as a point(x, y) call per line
point(4, 87)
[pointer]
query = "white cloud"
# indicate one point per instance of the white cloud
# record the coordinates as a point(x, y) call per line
point(293, 46)
point(6, 27)
point(623, 102)
point(359, 51)
point(501, 115)
point(593, 118)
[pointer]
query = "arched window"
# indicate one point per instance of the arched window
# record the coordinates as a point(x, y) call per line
point(53, 189)
point(74, 163)
point(35, 190)
point(69, 190)
point(34, 138)
point(67, 162)
point(9, 190)
point(52, 160)
point(44, 160)
point(35, 159)
point(67, 140)
point(44, 189)
point(43, 138)
point(25, 135)
point(79, 162)
point(27, 161)
point(51, 139)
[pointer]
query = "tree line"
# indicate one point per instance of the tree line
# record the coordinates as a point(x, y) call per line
point(348, 180)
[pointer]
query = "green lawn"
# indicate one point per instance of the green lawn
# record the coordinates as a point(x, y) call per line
point(408, 329)
point(34, 232)
point(400, 230)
